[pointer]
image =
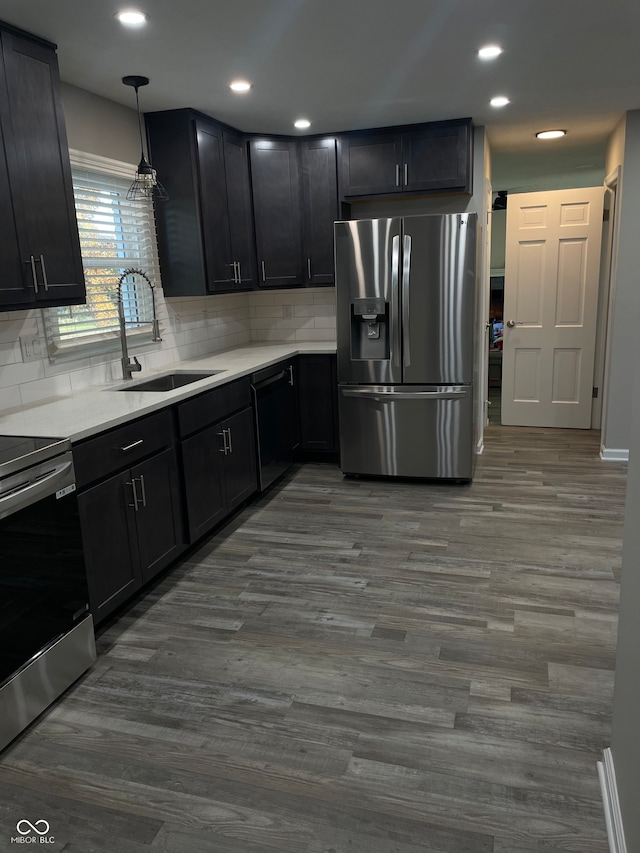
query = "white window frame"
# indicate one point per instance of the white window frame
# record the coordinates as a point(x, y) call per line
point(139, 331)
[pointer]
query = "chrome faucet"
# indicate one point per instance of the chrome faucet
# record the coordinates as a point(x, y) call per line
point(131, 366)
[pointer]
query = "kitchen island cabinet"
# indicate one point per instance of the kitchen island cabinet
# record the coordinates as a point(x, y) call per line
point(40, 247)
point(130, 510)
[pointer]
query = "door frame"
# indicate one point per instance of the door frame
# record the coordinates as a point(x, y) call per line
point(607, 303)
point(597, 342)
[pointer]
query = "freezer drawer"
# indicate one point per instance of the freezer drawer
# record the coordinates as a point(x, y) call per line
point(407, 430)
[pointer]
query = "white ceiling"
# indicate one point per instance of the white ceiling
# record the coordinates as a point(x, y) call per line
point(348, 64)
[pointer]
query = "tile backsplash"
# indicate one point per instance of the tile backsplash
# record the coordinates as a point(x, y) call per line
point(191, 327)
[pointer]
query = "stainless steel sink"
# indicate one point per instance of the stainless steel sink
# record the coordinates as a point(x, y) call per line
point(170, 381)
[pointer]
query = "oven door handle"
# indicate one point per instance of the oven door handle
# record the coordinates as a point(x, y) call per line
point(26, 493)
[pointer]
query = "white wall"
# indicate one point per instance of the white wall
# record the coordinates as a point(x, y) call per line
point(99, 126)
point(625, 736)
point(551, 165)
point(624, 150)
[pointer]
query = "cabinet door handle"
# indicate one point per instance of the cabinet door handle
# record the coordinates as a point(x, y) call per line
point(44, 273)
point(224, 449)
point(290, 368)
point(397, 174)
point(228, 431)
point(132, 445)
point(264, 275)
point(309, 268)
point(143, 490)
point(132, 483)
point(406, 174)
point(34, 273)
point(239, 273)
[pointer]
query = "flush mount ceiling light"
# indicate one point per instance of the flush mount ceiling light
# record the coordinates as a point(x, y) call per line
point(302, 123)
point(490, 51)
point(499, 101)
point(240, 85)
point(146, 184)
point(550, 134)
point(131, 18)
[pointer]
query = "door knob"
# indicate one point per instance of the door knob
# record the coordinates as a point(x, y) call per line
point(512, 323)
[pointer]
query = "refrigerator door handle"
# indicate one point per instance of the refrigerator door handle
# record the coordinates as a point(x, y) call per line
point(394, 396)
point(395, 274)
point(406, 270)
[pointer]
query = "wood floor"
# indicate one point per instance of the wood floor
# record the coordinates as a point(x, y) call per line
point(356, 667)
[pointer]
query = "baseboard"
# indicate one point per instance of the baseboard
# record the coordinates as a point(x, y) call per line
point(612, 454)
point(611, 803)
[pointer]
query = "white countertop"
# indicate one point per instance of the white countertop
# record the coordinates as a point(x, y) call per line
point(92, 410)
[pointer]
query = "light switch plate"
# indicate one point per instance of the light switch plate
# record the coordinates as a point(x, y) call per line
point(32, 347)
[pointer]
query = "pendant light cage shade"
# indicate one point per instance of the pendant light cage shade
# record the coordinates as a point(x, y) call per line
point(145, 184)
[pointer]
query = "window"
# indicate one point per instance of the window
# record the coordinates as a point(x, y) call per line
point(115, 235)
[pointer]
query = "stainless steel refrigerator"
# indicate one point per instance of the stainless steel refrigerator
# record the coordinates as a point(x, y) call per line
point(406, 321)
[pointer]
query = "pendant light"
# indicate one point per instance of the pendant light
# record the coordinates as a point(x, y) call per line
point(146, 184)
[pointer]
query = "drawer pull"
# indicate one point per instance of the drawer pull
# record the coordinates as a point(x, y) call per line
point(132, 445)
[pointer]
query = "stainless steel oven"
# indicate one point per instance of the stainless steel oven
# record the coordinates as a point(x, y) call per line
point(46, 630)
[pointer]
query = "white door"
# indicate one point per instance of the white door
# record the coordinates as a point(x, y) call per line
point(552, 264)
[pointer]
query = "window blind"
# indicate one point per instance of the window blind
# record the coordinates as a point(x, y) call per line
point(115, 234)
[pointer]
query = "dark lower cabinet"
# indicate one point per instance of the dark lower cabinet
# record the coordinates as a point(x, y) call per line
point(131, 528)
point(218, 450)
point(239, 464)
point(129, 500)
point(203, 481)
point(318, 404)
point(110, 544)
point(157, 516)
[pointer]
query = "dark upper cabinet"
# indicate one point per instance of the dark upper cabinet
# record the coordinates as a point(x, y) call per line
point(277, 210)
point(236, 166)
point(371, 163)
point(421, 158)
point(318, 171)
point(40, 254)
point(205, 227)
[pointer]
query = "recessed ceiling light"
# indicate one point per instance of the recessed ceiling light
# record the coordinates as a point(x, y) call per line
point(302, 123)
point(490, 51)
point(499, 101)
point(550, 134)
point(131, 17)
point(240, 86)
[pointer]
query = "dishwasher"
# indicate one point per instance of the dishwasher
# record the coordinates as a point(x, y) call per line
point(275, 405)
